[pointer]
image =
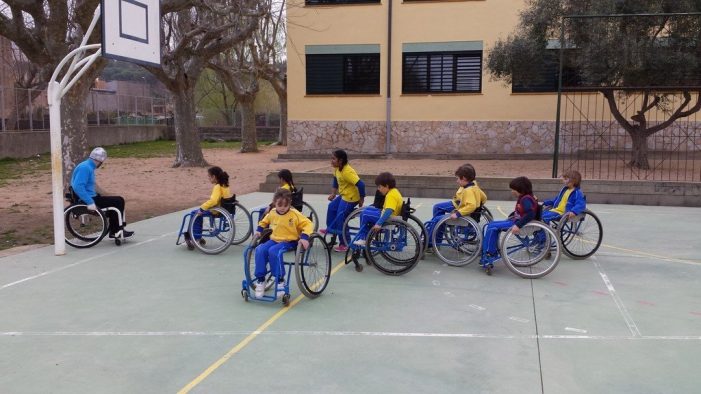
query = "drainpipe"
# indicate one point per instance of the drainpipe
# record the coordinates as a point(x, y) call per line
point(388, 123)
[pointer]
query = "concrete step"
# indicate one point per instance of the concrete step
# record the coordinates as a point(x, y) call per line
point(597, 191)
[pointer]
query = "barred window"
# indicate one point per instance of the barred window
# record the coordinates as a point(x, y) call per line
point(442, 72)
point(343, 73)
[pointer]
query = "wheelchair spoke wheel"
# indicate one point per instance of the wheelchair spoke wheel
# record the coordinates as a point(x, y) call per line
point(351, 226)
point(217, 231)
point(421, 230)
point(249, 265)
point(309, 212)
point(313, 267)
point(84, 228)
point(581, 235)
point(457, 242)
point(533, 253)
point(395, 249)
point(242, 224)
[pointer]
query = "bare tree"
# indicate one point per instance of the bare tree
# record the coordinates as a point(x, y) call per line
point(191, 37)
point(236, 70)
point(25, 75)
point(268, 51)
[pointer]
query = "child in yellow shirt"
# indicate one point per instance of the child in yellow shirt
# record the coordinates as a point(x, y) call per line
point(371, 216)
point(220, 179)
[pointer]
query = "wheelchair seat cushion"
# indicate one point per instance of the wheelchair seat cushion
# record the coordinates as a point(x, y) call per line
point(229, 204)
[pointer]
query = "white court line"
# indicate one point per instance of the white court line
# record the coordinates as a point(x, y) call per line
point(518, 319)
point(81, 261)
point(338, 334)
point(579, 330)
point(619, 303)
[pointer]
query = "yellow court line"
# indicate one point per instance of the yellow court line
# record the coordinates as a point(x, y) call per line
point(248, 339)
point(640, 252)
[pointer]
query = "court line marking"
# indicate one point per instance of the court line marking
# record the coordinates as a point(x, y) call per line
point(637, 252)
point(320, 333)
point(39, 275)
point(213, 367)
point(619, 303)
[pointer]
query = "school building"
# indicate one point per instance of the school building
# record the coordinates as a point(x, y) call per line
point(409, 77)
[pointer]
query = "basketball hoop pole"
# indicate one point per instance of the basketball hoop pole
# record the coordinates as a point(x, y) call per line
point(56, 90)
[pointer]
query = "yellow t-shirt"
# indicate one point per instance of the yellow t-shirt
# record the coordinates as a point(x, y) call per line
point(287, 227)
point(218, 192)
point(467, 199)
point(347, 178)
point(393, 201)
point(560, 208)
point(286, 186)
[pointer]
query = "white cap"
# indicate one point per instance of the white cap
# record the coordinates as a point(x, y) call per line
point(99, 154)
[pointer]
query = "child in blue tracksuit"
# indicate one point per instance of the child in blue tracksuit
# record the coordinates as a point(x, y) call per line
point(526, 210)
point(569, 202)
point(372, 216)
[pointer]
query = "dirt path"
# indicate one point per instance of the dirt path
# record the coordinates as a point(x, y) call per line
point(152, 188)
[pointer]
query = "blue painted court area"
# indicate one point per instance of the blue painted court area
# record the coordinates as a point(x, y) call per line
point(150, 317)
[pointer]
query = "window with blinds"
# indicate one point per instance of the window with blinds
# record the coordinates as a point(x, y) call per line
point(442, 72)
point(343, 73)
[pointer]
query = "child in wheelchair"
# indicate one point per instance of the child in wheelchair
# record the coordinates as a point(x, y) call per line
point(288, 227)
point(287, 183)
point(526, 210)
point(392, 206)
point(570, 202)
point(466, 201)
point(220, 179)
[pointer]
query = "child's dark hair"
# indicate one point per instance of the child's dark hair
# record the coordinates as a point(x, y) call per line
point(282, 194)
point(220, 175)
point(466, 171)
point(386, 179)
point(341, 155)
point(574, 176)
point(522, 185)
point(286, 175)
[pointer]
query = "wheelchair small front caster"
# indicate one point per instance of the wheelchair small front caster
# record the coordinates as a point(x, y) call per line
point(244, 294)
point(358, 268)
point(117, 241)
point(286, 300)
point(488, 269)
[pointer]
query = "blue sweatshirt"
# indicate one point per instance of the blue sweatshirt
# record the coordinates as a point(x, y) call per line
point(83, 181)
point(576, 203)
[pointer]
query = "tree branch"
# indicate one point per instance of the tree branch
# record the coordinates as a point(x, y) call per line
point(679, 113)
point(611, 99)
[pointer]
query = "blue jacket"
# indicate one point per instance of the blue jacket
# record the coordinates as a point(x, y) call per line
point(576, 203)
point(83, 181)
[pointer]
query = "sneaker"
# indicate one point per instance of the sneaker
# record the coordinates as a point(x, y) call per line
point(360, 242)
point(323, 231)
point(340, 248)
point(188, 241)
point(127, 233)
point(259, 289)
point(280, 289)
point(270, 282)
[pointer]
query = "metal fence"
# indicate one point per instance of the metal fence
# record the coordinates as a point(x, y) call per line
point(593, 142)
point(28, 109)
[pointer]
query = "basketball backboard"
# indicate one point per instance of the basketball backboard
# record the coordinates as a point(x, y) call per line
point(131, 31)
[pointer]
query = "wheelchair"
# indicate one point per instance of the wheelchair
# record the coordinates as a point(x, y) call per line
point(297, 203)
point(85, 228)
point(394, 250)
point(457, 242)
point(532, 253)
point(222, 226)
point(580, 236)
point(312, 269)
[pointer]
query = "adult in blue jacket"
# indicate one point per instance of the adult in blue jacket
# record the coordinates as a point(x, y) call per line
point(83, 184)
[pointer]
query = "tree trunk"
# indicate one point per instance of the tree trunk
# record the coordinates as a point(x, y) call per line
point(249, 139)
point(187, 137)
point(74, 127)
point(282, 137)
point(639, 159)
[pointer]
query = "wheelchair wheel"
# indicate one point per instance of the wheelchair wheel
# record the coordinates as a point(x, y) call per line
point(242, 224)
point(460, 242)
point(486, 216)
point(217, 231)
point(581, 235)
point(351, 225)
point(84, 228)
point(421, 230)
point(313, 267)
point(526, 253)
point(309, 212)
point(395, 249)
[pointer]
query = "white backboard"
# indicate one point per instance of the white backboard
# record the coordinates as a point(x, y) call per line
point(131, 30)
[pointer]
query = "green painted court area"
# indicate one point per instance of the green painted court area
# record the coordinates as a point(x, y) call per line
point(150, 317)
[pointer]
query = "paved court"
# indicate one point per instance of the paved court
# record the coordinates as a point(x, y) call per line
point(150, 317)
